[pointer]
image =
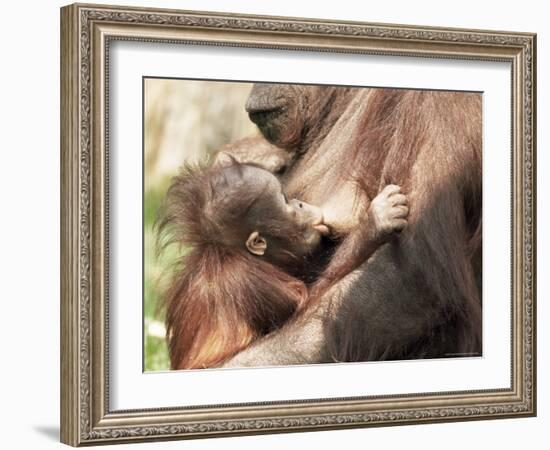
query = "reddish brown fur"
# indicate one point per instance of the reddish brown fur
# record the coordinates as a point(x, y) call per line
point(222, 301)
point(419, 296)
point(430, 144)
point(220, 298)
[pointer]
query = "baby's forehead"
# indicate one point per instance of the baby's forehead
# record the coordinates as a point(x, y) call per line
point(242, 186)
point(260, 178)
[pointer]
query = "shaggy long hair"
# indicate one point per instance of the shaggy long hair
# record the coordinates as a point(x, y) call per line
point(429, 143)
point(220, 297)
point(419, 295)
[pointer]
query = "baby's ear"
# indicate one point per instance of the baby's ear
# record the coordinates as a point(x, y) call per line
point(224, 159)
point(256, 244)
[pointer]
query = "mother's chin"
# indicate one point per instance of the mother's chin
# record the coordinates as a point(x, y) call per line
point(270, 123)
point(275, 114)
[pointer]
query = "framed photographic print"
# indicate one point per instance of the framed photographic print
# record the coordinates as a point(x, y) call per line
point(276, 225)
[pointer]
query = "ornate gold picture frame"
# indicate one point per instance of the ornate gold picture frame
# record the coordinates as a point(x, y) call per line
point(87, 33)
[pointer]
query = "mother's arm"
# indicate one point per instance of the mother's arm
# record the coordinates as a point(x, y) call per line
point(303, 340)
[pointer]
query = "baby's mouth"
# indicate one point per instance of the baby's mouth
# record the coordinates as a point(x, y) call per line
point(322, 228)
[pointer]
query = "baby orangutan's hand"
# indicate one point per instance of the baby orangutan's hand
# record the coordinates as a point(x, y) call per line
point(388, 211)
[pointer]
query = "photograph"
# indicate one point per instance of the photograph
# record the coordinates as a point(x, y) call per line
point(291, 224)
point(266, 225)
point(282, 224)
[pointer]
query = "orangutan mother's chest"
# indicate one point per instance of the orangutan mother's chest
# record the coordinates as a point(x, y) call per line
point(322, 183)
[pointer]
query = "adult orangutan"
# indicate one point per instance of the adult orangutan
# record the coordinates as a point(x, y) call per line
point(418, 296)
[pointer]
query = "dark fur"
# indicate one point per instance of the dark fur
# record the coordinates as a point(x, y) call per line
point(419, 296)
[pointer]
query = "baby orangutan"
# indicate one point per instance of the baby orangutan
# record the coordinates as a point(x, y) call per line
point(247, 248)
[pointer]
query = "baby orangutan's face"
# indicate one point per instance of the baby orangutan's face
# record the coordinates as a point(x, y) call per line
point(279, 226)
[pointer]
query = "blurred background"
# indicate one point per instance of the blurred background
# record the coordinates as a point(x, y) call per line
point(184, 121)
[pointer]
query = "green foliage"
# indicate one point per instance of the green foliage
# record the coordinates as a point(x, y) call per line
point(151, 204)
point(155, 352)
